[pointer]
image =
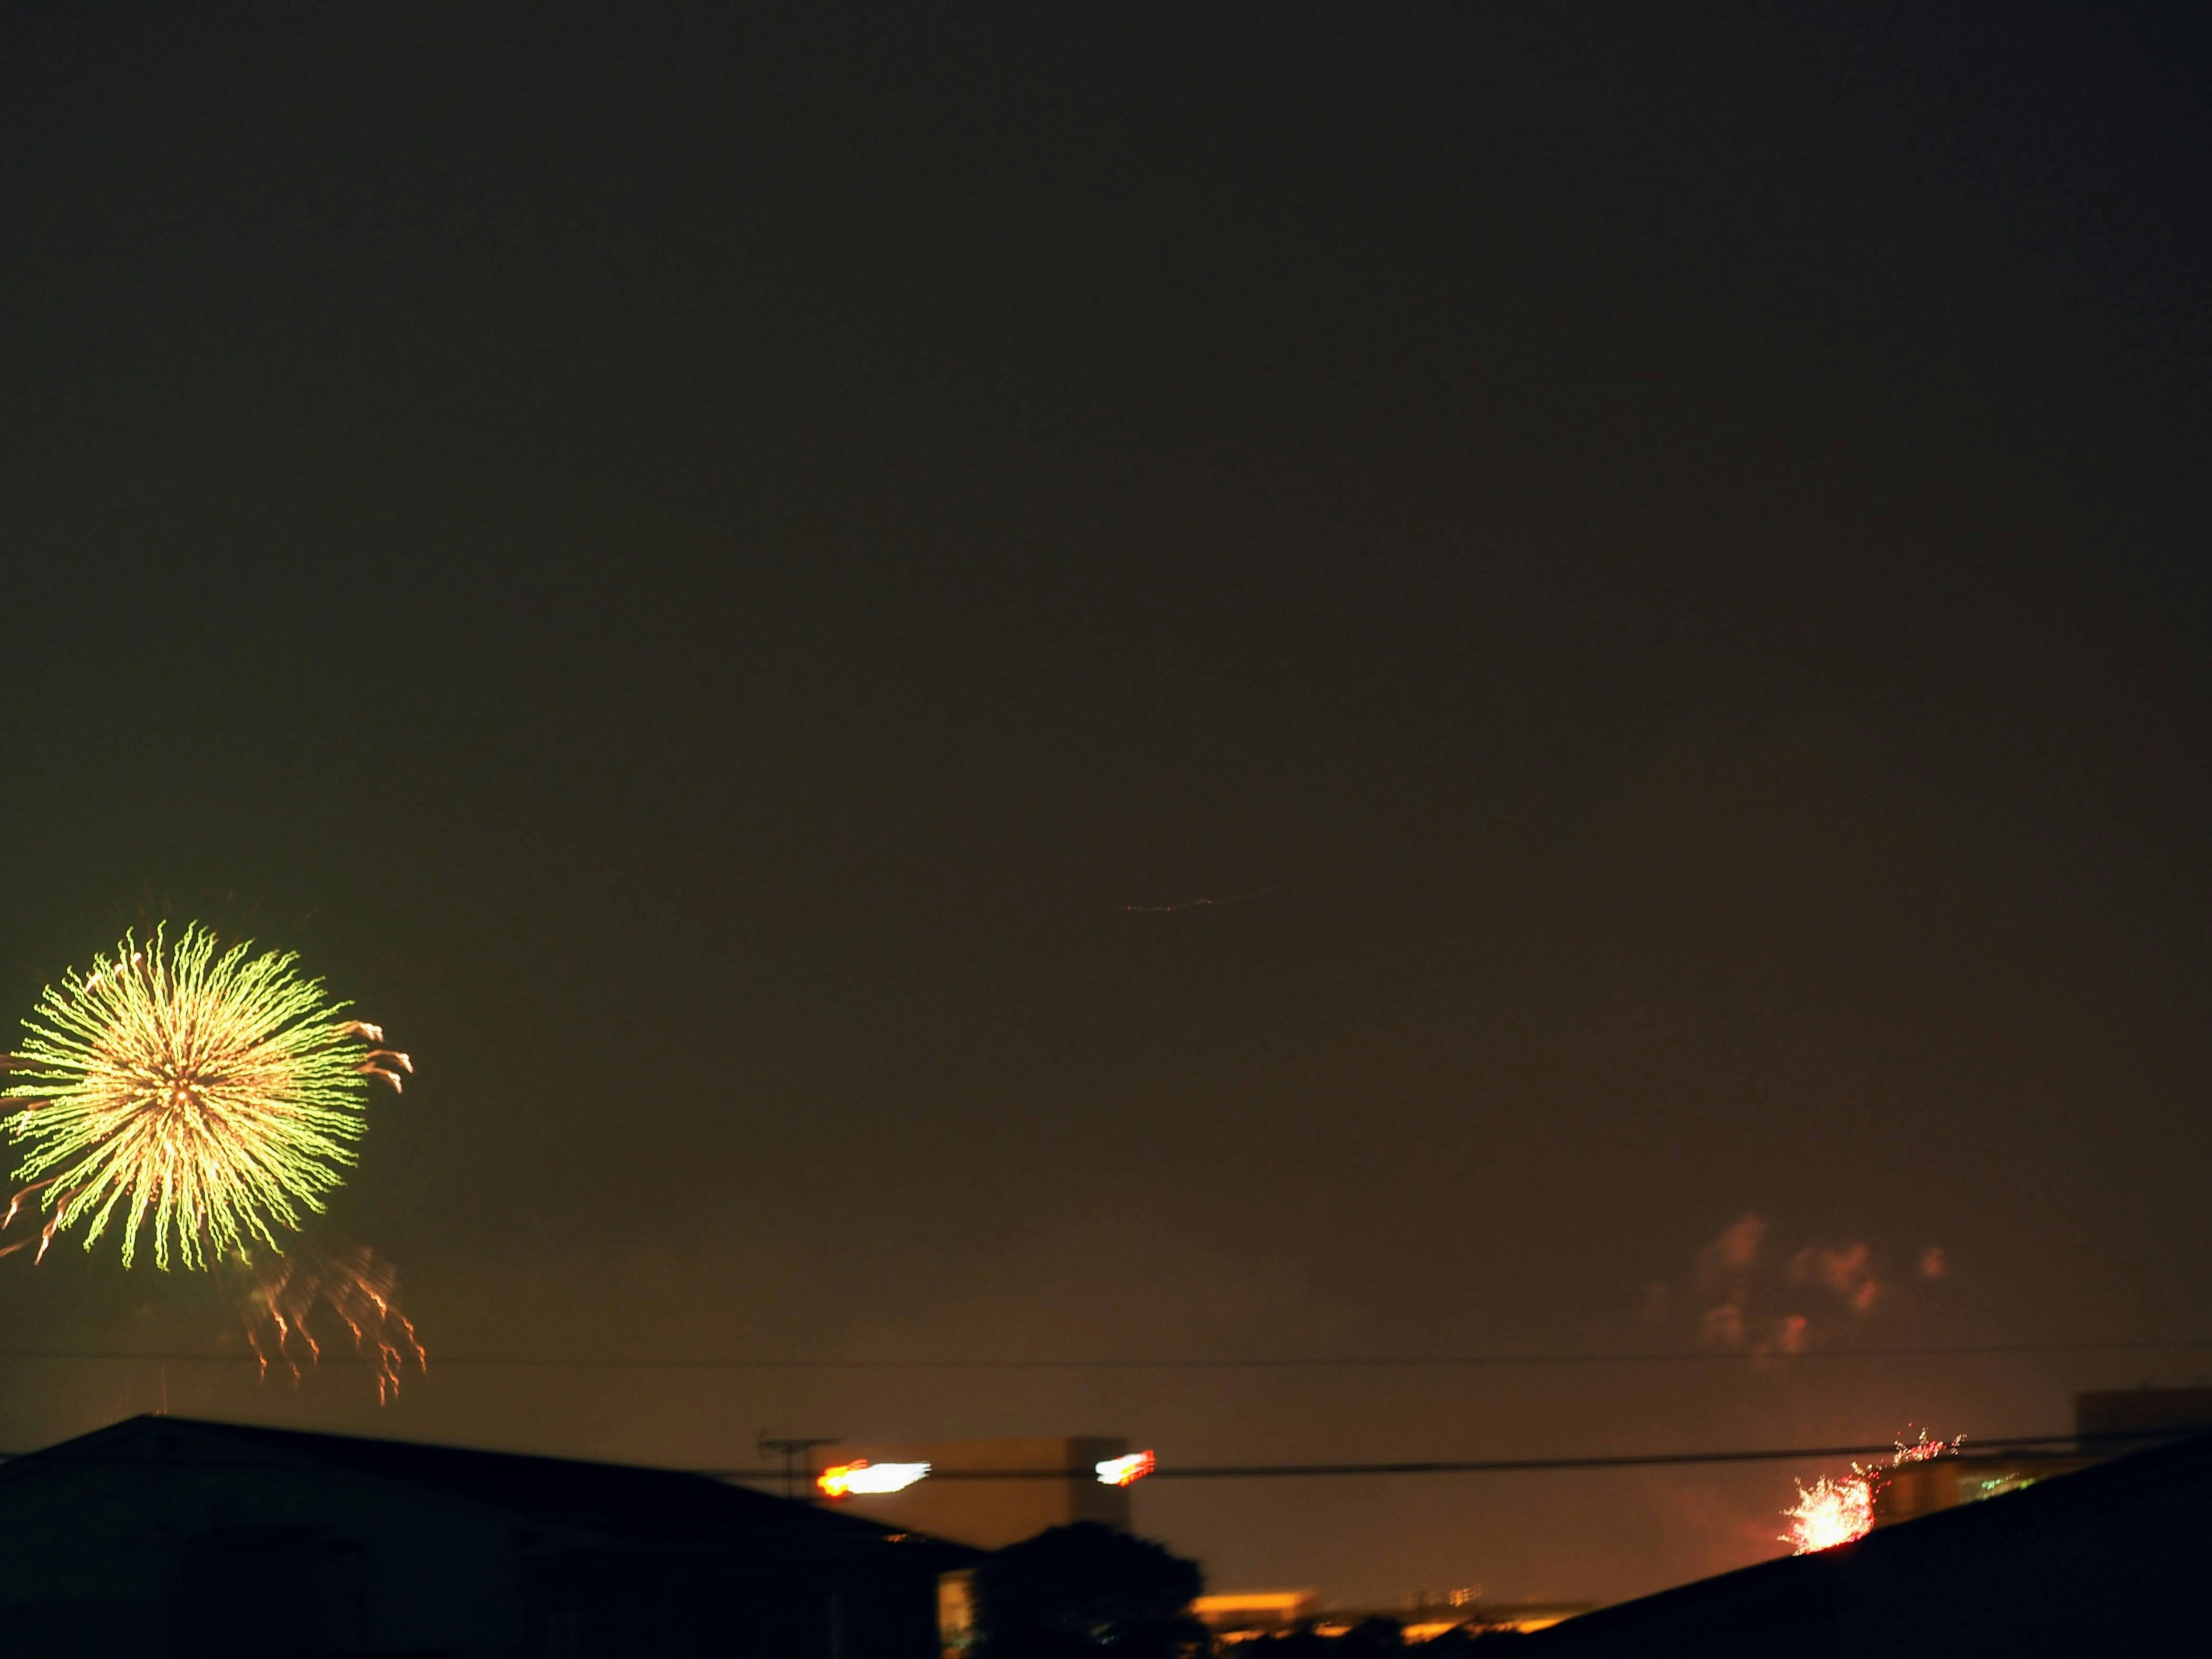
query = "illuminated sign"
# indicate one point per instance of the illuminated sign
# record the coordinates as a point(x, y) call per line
point(1121, 1471)
point(866, 1479)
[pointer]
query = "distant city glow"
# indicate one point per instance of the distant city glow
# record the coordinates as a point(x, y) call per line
point(1121, 1471)
point(864, 1479)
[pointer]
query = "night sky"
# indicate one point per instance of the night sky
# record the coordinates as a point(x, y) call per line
point(719, 568)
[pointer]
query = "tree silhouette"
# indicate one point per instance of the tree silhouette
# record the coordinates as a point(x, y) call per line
point(1083, 1591)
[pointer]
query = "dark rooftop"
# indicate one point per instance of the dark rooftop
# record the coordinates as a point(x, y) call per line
point(2106, 1559)
point(624, 1498)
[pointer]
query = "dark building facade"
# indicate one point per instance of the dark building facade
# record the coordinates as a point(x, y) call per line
point(163, 1536)
point(2106, 1420)
point(2106, 1424)
point(2109, 1560)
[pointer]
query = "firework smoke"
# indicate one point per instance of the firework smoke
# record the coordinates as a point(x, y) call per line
point(212, 1096)
point(1849, 1271)
point(1773, 1304)
point(352, 1288)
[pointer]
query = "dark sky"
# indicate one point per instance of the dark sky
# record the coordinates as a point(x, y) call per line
point(696, 561)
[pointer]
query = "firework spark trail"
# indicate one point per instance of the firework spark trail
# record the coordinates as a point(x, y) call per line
point(360, 1290)
point(1830, 1512)
point(1923, 1449)
point(217, 1095)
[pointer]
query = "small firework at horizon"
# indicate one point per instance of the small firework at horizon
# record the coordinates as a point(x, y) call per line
point(213, 1096)
point(1831, 1512)
point(1836, 1511)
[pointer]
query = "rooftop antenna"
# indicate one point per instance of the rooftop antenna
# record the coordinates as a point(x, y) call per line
point(792, 1450)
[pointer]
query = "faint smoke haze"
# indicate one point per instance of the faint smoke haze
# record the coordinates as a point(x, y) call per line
point(1776, 1304)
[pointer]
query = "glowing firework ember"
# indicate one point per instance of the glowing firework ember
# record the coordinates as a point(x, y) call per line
point(214, 1096)
point(1831, 1512)
point(356, 1289)
point(1920, 1450)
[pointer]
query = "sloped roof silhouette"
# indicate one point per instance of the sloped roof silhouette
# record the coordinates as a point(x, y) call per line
point(619, 1497)
point(2099, 1561)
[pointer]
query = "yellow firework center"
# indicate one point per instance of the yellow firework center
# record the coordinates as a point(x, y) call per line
point(213, 1095)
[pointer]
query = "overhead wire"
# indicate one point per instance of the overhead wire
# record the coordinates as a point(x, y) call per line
point(2031, 1446)
point(1311, 1362)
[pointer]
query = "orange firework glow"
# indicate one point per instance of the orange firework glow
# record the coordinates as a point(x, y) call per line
point(353, 1287)
point(1830, 1512)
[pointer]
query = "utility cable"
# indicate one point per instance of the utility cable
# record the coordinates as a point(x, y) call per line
point(2050, 1447)
point(1319, 1362)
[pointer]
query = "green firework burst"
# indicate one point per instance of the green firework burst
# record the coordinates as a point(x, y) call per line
point(215, 1096)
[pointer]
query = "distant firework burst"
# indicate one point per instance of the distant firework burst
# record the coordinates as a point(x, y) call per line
point(352, 1288)
point(209, 1097)
point(1830, 1512)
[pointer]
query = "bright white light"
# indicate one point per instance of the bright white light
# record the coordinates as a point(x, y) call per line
point(1121, 1471)
point(869, 1479)
point(886, 1476)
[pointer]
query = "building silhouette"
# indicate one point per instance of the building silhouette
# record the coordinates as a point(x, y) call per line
point(164, 1537)
point(2106, 1559)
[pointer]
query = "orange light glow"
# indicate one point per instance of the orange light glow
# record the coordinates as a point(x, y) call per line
point(1122, 1471)
point(861, 1476)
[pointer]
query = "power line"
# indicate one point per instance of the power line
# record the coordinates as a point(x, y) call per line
point(2029, 1443)
point(2052, 1446)
point(2032, 1445)
point(1354, 1362)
